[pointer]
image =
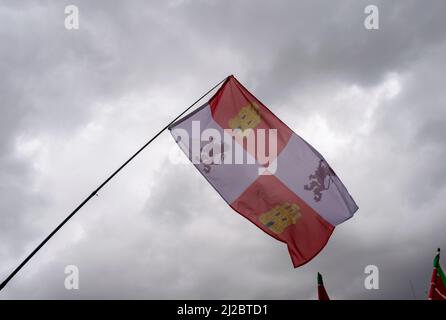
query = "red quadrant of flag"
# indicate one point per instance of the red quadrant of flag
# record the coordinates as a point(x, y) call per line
point(234, 107)
point(278, 211)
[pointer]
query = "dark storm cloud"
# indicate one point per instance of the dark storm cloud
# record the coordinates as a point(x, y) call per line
point(75, 103)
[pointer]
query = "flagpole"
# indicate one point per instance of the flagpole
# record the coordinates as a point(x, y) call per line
point(16, 270)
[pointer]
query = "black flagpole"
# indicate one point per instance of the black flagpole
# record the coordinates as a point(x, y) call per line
point(3, 284)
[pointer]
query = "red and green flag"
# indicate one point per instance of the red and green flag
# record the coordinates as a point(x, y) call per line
point(437, 290)
point(321, 292)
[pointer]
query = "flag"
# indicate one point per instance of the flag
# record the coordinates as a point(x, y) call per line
point(437, 289)
point(264, 171)
point(321, 292)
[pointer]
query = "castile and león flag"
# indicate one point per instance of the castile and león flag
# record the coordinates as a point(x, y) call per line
point(265, 171)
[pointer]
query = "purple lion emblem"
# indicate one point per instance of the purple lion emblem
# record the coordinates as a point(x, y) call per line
point(320, 180)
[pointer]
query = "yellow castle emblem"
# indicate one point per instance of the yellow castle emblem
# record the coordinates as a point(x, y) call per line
point(247, 118)
point(281, 216)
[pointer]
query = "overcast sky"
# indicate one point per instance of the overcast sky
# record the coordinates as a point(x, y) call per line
point(76, 103)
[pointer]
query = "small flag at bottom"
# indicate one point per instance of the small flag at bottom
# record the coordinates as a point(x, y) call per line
point(321, 292)
point(437, 290)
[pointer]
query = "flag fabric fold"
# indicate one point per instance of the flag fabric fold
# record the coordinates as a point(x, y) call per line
point(265, 171)
point(437, 289)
